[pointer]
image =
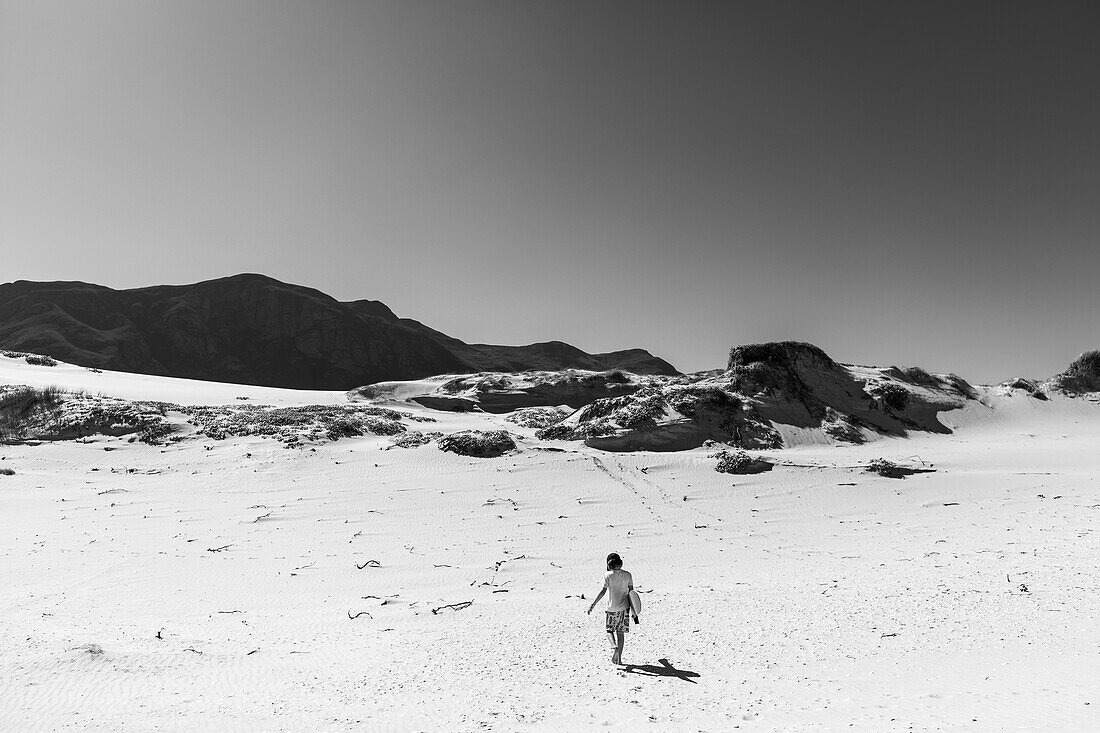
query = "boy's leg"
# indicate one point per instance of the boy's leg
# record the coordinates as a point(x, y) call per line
point(620, 640)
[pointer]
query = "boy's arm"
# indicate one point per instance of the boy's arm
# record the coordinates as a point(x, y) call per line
point(597, 600)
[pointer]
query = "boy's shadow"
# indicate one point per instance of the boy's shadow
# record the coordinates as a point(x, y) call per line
point(665, 670)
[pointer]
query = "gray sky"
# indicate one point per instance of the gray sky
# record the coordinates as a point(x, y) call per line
point(911, 183)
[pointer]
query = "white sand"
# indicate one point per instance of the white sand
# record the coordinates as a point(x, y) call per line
point(812, 598)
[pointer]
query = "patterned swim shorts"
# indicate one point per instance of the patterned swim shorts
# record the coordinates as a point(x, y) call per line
point(618, 621)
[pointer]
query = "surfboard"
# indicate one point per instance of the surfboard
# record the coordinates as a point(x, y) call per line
point(635, 604)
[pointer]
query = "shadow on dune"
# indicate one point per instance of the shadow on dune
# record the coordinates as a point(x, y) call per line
point(665, 670)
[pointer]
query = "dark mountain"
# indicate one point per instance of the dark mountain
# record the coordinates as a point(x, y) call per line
point(252, 329)
point(549, 356)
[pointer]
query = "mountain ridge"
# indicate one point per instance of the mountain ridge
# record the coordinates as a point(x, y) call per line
point(254, 329)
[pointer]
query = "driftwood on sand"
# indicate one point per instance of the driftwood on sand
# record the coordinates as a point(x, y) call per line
point(453, 607)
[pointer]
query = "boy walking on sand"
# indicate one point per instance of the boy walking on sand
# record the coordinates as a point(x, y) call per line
point(618, 583)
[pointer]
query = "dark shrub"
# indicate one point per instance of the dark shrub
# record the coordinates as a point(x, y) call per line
point(20, 401)
point(292, 425)
point(1086, 365)
point(893, 396)
point(537, 417)
point(617, 376)
point(919, 377)
point(741, 463)
point(557, 432)
point(50, 414)
point(458, 384)
point(603, 407)
point(155, 433)
point(888, 469)
point(642, 410)
point(20, 404)
point(478, 443)
point(692, 400)
point(841, 427)
point(413, 439)
point(343, 427)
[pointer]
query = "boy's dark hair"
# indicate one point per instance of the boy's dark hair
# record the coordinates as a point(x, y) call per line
point(614, 562)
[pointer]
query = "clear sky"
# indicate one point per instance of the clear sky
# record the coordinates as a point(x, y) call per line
point(908, 183)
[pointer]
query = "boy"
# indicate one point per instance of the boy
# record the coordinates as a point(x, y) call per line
point(619, 582)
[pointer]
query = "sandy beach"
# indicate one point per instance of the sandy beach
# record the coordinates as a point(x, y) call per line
point(241, 585)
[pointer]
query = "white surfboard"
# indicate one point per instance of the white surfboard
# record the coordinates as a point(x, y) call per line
point(635, 604)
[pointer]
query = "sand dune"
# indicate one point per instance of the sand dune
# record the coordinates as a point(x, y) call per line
point(239, 585)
